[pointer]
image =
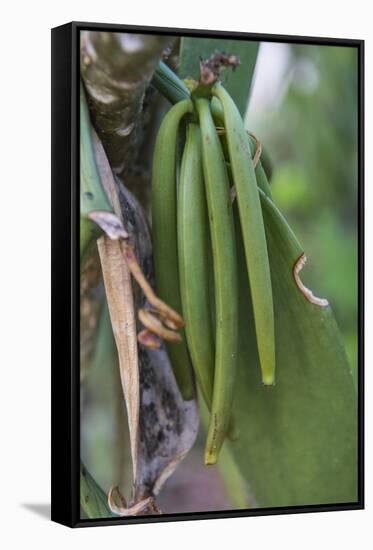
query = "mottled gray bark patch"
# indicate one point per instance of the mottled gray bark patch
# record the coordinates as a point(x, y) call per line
point(116, 78)
point(168, 424)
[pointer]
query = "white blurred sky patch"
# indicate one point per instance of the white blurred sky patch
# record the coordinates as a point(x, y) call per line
point(270, 82)
point(276, 68)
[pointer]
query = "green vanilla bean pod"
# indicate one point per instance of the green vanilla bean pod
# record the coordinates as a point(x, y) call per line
point(217, 111)
point(193, 249)
point(260, 173)
point(253, 232)
point(225, 280)
point(164, 232)
point(92, 195)
point(264, 163)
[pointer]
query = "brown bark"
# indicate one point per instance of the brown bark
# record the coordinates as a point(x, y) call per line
point(116, 69)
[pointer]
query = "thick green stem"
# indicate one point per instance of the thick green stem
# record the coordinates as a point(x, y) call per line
point(169, 84)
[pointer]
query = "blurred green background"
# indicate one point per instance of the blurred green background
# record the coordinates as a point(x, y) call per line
point(304, 109)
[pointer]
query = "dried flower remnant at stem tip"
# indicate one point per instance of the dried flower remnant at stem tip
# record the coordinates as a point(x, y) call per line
point(146, 505)
point(298, 266)
point(211, 68)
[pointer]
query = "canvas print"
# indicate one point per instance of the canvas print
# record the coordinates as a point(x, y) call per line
point(218, 274)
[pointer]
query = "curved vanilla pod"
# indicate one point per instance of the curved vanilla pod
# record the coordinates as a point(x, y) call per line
point(217, 111)
point(164, 234)
point(194, 249)
point(193, 229)
point(225, 280)
point(251, 220)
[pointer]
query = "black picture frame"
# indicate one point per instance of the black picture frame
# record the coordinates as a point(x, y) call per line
point(65, 273)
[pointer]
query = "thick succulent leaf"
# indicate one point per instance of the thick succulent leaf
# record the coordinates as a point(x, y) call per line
point(93, 500)
point(298, 442)
point(235, 484)
point(237, 82)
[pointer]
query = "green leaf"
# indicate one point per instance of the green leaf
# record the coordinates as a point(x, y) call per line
point(93, 500)
point(237, 82)
point(298, 442)
point(92, 195)
point(235, 484)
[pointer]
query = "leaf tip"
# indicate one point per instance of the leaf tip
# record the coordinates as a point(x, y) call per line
point(110, 224)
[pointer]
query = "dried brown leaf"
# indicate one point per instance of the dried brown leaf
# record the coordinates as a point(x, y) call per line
point(109, 223)
point(152, 323)
point(117, 280)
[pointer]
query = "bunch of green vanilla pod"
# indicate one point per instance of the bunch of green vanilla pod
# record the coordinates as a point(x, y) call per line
point(193, 228)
